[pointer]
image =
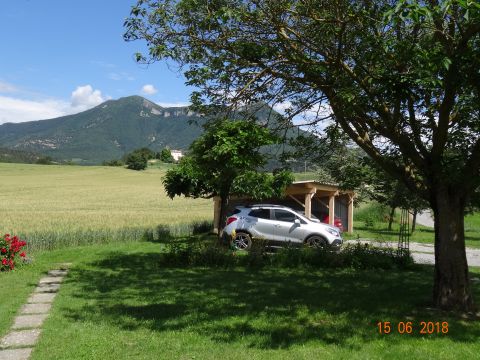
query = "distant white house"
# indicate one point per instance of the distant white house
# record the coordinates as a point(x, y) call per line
point(176, 154)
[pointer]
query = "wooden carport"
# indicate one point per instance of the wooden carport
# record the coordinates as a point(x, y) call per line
point(305, 195)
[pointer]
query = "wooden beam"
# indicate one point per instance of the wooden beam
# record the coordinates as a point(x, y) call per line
point(331, 209)
point(296, 200)
point(308, 206)
point(350, 214)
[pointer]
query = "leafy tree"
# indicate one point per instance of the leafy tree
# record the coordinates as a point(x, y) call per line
point(225, 159)
point(401, 78)
point(136, 161)
point(138, 158)
point(355, 170)
point(165, 156)
point(146, 153)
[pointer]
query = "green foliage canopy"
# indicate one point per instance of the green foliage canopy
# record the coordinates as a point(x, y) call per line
point(401, 79)
point(165, 156)
point(226, 158)
point(136, 161)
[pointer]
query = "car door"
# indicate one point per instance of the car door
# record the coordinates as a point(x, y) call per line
point(286, 230)
point(260, 223)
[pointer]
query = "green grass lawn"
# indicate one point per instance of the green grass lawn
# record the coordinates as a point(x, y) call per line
point(119, 302)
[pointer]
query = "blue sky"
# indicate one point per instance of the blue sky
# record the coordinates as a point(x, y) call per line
point(64, 56)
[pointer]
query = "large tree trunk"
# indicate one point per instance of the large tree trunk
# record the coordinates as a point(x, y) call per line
point(414, 220)
point(451, 285)
point(390, 219)
point(223, 213)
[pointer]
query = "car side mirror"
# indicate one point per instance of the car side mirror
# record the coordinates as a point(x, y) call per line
point(297, 221)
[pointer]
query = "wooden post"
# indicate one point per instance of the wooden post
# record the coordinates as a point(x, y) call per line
point(350, 214)
point(216, 214)
point(331, 209)
point(308, 205)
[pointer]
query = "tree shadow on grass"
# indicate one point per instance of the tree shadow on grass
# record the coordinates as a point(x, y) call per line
point(266, 309)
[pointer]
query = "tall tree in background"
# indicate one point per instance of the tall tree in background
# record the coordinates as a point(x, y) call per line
point(227, 158)
point(401, 78)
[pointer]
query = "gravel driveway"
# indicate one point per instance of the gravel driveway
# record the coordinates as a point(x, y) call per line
point(423, 253)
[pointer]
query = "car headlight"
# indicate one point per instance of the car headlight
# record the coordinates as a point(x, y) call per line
point(333, 232)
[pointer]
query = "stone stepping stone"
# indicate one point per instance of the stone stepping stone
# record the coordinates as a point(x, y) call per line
point(21, 338)
point(29, 321)
point(36, 308)
point(47, 288)
point(57, 272)
point(51, 280)
point(15, 354)
point(41, 298)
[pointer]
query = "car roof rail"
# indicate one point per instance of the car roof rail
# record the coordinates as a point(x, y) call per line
point(270, 205)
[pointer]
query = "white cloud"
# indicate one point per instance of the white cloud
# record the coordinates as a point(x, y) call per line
point(85, 97)
point(20, 110)
point(149, 89)
point(14, 109)
point(7, 88)
point(282, 107)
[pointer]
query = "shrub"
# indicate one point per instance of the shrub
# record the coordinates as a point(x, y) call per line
point(136, 161)
point(10, 247)
point(202, 227)
point(165, 156)
point(356, 256)
point(163, 233)
point(257, 255)
point(198, 254)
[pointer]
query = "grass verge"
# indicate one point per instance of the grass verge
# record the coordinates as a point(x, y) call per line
point(371, 223)
point(120, 302)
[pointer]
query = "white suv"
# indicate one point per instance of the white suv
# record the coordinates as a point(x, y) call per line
point(279, 225)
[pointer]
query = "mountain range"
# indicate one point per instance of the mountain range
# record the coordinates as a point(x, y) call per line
point(105, 132)
point(108, 131)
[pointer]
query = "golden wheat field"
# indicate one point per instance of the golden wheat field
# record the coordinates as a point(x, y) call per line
point(40, 199)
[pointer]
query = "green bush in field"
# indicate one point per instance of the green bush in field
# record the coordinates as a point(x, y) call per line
point(165, 156)
point(136, 161)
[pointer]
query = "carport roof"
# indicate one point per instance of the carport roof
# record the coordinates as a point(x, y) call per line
point(314, 186)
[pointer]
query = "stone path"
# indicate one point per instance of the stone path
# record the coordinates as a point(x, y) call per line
point(425, 218)
point(18, 343)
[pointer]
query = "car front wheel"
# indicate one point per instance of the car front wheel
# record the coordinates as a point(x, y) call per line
point(316, 241)
point(242, 241)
